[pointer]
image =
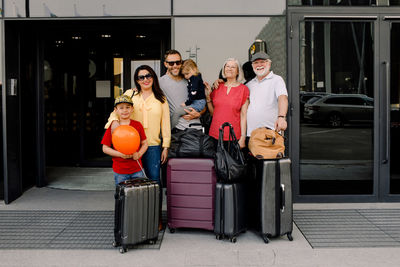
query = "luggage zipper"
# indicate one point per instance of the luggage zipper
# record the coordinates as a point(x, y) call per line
point(222, 222)
point(236, 204)
point(278, 198)
point(283, 200)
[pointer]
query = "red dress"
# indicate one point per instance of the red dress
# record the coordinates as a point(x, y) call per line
point(227, 109)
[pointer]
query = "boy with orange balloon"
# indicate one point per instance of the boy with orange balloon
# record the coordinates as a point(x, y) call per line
point(124, 142)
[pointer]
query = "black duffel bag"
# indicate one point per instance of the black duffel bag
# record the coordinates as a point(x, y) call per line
point(191, 143)
point(229, 162)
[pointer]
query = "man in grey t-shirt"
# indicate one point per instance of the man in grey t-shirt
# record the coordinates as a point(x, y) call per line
point(175, 89)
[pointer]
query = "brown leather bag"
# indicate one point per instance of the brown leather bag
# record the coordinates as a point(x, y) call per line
point(265, 143)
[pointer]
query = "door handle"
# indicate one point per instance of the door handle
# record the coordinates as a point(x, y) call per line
point(387, 115)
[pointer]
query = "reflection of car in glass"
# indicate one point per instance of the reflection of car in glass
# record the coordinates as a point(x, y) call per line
point(336, 109)
point(305, 97)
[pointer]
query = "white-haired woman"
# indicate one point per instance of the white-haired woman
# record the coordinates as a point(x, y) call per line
point(229, 102)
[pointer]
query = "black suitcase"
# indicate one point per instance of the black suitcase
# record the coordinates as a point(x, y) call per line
point(136, 214)
point(272, 197)
point(230, 207)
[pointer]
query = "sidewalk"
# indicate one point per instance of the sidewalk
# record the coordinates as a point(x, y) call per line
point(190, 247)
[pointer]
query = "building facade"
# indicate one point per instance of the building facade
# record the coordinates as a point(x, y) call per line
point(62, 64)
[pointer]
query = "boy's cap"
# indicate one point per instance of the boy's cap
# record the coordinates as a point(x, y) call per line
point(123, 99)
point(259, 55)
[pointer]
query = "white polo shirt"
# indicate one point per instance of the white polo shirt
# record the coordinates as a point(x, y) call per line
point(263, 107)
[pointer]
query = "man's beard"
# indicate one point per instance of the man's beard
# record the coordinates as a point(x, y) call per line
point(175, 73)
point(261, 73)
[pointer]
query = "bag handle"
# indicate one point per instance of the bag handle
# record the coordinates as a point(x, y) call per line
point(134, 181)
point(281, 133)
point(232, 136)
point(196, 124)
point(233, 142)
point(220, 139)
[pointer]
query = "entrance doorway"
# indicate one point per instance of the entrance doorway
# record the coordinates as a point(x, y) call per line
point(65, 74)
point(345, 97)
point(86, 64)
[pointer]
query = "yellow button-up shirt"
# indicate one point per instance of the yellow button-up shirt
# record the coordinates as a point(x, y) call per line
point(153, 115)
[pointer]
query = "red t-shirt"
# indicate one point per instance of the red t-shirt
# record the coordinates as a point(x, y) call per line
point(227, 109)
point(120, 165)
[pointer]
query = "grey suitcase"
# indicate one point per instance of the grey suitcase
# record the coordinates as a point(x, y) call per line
point(136, 213)
point(275, 207)
point(229, 219)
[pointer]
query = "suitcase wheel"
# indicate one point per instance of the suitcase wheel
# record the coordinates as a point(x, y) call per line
point(266, 240)
point(289, 236)
point(219, 237)
point(233, 239)
point(172, 230)
point(153, 241)
point(123, 249)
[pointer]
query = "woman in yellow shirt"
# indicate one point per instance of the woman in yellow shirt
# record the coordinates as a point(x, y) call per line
point(151, 109)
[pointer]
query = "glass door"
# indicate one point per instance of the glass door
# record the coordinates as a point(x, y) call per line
point(333, 96)
point(390, 62)
point(345, 98)
point(77, 96)
point(394, 108)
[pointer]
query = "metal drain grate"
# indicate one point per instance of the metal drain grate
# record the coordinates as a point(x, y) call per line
point(350, 228)
point(60, 230)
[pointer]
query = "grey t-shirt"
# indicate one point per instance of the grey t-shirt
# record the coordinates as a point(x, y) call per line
point(176, 93)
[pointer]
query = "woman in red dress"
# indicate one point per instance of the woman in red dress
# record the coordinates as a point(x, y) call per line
point(229, 102)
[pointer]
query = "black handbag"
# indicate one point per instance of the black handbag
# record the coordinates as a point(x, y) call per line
point(229, 161)
point(191, 143)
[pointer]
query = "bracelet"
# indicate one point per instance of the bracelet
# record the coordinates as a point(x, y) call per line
point(281, 116)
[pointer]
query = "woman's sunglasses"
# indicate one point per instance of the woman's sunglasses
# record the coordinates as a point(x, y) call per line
point(148, 76)
point(172, 63)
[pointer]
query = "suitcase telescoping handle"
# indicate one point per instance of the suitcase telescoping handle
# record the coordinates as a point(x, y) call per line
point(197, 124)
point(283, 200)
point(142, 169)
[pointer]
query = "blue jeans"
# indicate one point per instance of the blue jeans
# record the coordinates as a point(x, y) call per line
point(124, 177)
point(152, 163)
point(198, 104)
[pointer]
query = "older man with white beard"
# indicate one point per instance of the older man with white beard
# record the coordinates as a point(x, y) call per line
point(268, 96)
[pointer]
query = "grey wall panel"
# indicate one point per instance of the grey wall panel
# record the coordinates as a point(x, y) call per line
point(99, 8)
point(14, 8)
point(274, 34)
point(229, 7)
point(211, 41)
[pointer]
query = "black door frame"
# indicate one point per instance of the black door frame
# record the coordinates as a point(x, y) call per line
point(381, 175)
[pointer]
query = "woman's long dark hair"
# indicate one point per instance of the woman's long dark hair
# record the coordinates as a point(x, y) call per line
point(158, 93)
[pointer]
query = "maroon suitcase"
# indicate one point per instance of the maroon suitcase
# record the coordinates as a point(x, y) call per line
point(190, 193)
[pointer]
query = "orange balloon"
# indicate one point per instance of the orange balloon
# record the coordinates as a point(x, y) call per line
point(126, 139)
